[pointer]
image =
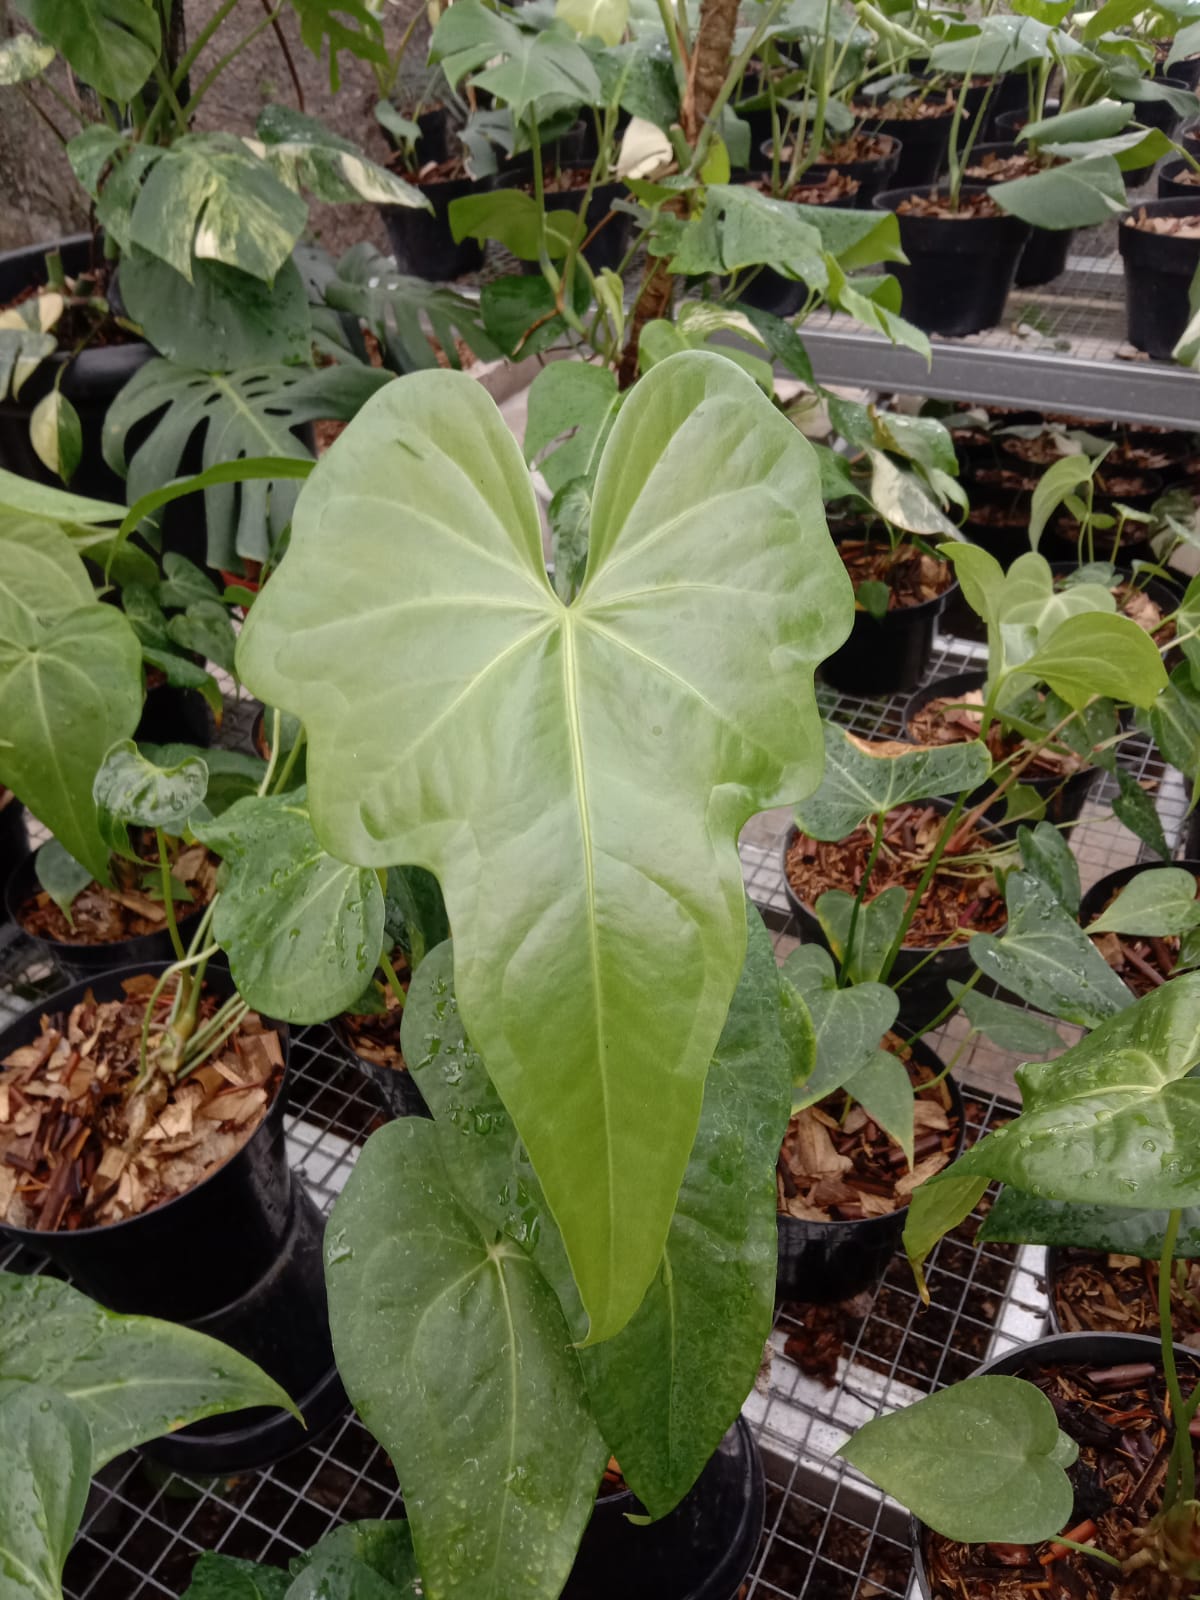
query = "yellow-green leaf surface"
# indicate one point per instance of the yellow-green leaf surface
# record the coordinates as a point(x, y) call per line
point(576, 777)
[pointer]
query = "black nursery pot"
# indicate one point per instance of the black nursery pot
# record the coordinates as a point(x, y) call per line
point(1057, 1349)
point(1044, 257)
point(422, 242)
point(924, 142)
point(171, 716)
point(1169, 186)
point(1159, 269)
point(959, 269)
point(1157, 114)
point(1103, 890)
point(872, 175)
point(395, 1087)
point(608, 247)
point(91, 381)
point(1063, 800)
point(821, 1263)
point(888, 654)
point(238, 1257)
point(14, 839)
point(79, 959)
point(700, 1551)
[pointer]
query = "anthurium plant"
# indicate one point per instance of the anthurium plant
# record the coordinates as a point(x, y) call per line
point(79, 1386)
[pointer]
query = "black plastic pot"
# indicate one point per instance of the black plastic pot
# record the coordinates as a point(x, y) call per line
point(91, 381)
point(91, 958)
point(920, 997)
point(14, 838)
point(959, 269)
point(1063, 800)
point(1044, 257)
point(239, 1257)
point(395, 1087)
point(1158, 273)
point(1011, 94)
point(1169, 186)
point(889, 654)
point(1058, 1349)
point(171, 716)
point(1008, 124)
point(924, 142)
point(700, 1551)
point(1156, 114)
point(422, 242)
point(1103, 890)
point(872, 176)
point(821, 1263)
point(1005, 540)
point(608, 248)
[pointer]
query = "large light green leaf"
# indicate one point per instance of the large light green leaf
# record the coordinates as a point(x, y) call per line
point(134, 1378)
point(496, 1450)
point(64, 700)
point(1094, 654)
point(1160, 901)
point(111, 45)
point(861, 781)
point(210, 196)
point(451, 699)
point(542, 67)
point(302, 930)
point(1115, 1120)
point(251, 413)
point(23, 495)
point(41, 578)
point(600, 19)
point(1016, 1218)
point(983, 1460)
point(45, 1469)
point(1046, 958)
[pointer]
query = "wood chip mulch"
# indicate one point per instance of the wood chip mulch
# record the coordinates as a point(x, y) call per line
point(911, 575)
point(1119, 1294)
point(952, 719)
point(375, 1036)
point(133, 906)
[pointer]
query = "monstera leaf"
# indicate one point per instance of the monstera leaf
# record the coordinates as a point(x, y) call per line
point(250, 413)
point(111, 45)
point(395, 309)
point(576, 776)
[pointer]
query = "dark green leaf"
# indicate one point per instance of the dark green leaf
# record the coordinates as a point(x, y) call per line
point(883, 1088)
point(937, 1205)
point(1016, 1218)
point(181, 672)
point(61, 876)
point(111, 45)
point(1135, 807)
point(401, 311)
point(1046, 854)
point(45, 1469)
point(577, 400)
point(848, 1023)
point(1009, 1027)
point(983, 1460)
point(223, 318)
point(342, 25)
point(359, 1561)
point(205, 629)
point(570, 515)
point(414, 912)
point(860, 781)
point(184, 583)
point(217, 1577)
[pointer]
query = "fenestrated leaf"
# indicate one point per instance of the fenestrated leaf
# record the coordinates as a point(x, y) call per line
point(1098, 654)
point(130, 791)
point(1159, 901)
point(60, 875)
point(342, 25)
point(218, 1577)
point(359, 1561)
point(45, 1471)
point(302, 930)
point(983, 1460)
point(210, 196)
point(531, 716)
point(542, 66)
point(23, 57)
point(111, 45)
point(848, 1023)
point(134, 1378)
point(1049, 857)
point(251, 413)
point(497, 1492)
point(875, 929)
point(396, 310)
point(42, 579)
point(64, 701)
point(1017, 1218)
point(575, 399)
point(862, 780)
point(1046, 958)
point(883, 1089)
point(1115, 1119)
point(1022, 1032)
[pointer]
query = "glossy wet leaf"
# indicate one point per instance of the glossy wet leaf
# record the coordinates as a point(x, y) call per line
point(983, 1460)
point(111, 45)
point(1115, 1119)
point(1017, 1218)
point(1097, 654)
point(848, 1023)
point(411, 626)
point(1046, 958)
point(414, 912)
point(60, 875)
point(45, 1470)
point(219, 1577)
point(131, 791)
point(1010, 1027)
point(134, 1378)
point(41, 578)
point(359, 1561)
point(1159, 901)
point(64, 701)
point(874, 930)
point(497, 1491)
point(302, 930)
point(862, 780)
point(1047, 855)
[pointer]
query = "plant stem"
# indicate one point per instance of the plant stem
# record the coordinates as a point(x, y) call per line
point(164, 866)
point(193, 51)
point(394, 983)
point(264, 787)
point(914, 900)
point(1088, 1550)
point(290, 763)
point(167, 89)
point(206, 1041)
point(861, 894)
point(215, 72)
point(1181, 1473)
point(947, 1010)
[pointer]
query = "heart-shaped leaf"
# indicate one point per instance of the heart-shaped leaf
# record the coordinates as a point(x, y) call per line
point(497, 1492)
point(1115, 1119)
point(64, 701)
point(45, 1470)
point(130, 791)
point(1010, 1027)
point(863, 779)
point(1097, 654)
point(883, 1088)
point(41, 578)
point(529, 715)
point(111, 45)
point(1048, 856)
point(875, 929)
point(232, 775)
point(60, 875)
point(1046, 958)
point(983, 1461)
point(302, 930)
point(847, 1023)
point(359, 1561)
point(1160, 901)
point(1134, 806)
point(1018, 1218)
